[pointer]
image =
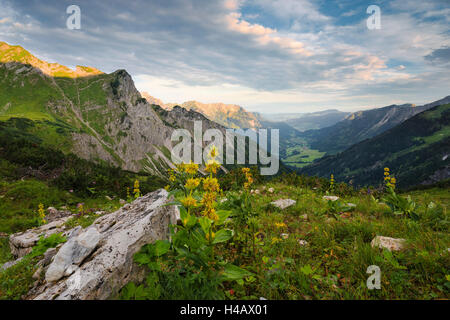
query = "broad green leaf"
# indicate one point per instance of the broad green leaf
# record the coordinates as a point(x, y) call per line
point(205, 223)
point(222, 236)
point(232, 272)
point(161, 247)
point(223, 215)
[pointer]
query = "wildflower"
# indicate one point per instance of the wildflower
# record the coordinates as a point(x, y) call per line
point(41, 212)
point(275, 240)
point(192, 183)
point(210, 213)
point(231, 291)
point(80, 207)
point(280, 224)
point(191, 168)
point(213, 152)
point(167, 188)
point(212, 166)
point(136, 191)
point(211, 184)
point(212, 236)
point(189, 202)
point(209, 198)
point(245, 170)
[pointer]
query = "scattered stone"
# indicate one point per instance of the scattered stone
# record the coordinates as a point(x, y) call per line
point(108, 198)
point(271, 190)
point(99, 212)
point(122, 202)
point(52, 210)
point(392, 244)
point(3, 235)
point(256, 191)
point(223, 200)
point(283, 203)
point(251, 191)
point(285, 236)
point(262, 298)
point(331, 198)
point(9, 264)
point(302, 242)
point(351, 205)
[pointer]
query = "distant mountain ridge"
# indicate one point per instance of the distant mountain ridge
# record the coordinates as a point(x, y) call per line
point(228, 115)
point(416, 151)
point(362, 125)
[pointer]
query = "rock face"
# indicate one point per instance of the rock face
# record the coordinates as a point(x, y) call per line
point(392, 244)
point(72, 253)
point(283, 203)
point(21, 243)
point(98, 261)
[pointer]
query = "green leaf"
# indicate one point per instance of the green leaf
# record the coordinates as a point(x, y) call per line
point(223, 215)
point(205, 223)
point(142, 258)
point(306, 270)
point(232, 273)
point(161, 247)
point(222, 236)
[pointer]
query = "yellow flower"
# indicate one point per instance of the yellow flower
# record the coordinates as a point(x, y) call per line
point(213, 152)
point(136, 191)
point(210, 213)
point(212, 166)
point(211, 184)
point(275, 240)
point(280, 225)
point(189, 202)
point(172, 178)
point(245, 170)
point(213, 235)
point(191, 168)
point(41, 212)
point(191, 184)
point(209, 198)
point(167, 188)
point(386, 169)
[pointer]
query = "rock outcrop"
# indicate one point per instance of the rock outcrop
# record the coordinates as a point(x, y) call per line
point(96, 262)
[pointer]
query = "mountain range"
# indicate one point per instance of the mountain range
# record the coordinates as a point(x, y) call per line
point(228, 115)
point(97, 116)
point(417, 151)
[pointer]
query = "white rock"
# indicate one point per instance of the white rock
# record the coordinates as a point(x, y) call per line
point(73, 252)
point(52, 210)
point(223, 200)
point(332, 198)
point(283, 203)
point(302, 242)
point(351, 205)
point(256, 191)
point(271, 190)
point(111, 266)
point(392, 244)
point(21, 243)
point(122, 202)
point(285, 236)
point(108, 198)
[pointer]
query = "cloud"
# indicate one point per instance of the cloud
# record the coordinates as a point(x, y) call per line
point(288, 52)
point(441, 55)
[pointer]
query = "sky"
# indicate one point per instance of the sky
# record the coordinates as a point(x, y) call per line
point(270, 56)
